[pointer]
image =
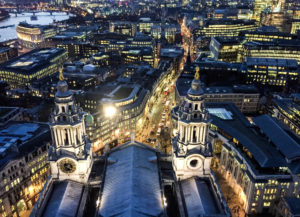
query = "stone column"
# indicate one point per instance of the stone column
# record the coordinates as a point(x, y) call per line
point(205, 133)
point(59, 137)
point(55, 136)
point(180, 132)
point(69, 136)
point(202, 133)
point(62, 137)
point(186, 133)
point(198, 134)
point(74, 136)
point(192, 133)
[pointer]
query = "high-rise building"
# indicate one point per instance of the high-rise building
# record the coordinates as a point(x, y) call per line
point(287, 110)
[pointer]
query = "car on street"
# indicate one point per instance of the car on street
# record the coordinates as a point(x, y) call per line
point(158, 131)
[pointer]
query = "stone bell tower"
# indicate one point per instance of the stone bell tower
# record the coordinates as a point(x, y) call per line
point(192, 153)
point(70, 154)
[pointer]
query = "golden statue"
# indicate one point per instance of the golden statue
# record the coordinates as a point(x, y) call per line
point(197, 76)
point(61, 76)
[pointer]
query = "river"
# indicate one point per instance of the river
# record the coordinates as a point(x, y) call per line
point(44, 18)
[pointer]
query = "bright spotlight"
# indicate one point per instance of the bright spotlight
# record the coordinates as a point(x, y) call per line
point(110, 111)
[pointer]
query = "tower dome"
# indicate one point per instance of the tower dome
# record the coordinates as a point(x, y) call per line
point(62, 87)
point(89, 120)
point(196, 87)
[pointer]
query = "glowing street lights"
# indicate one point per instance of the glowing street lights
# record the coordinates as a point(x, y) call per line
point(110, 111)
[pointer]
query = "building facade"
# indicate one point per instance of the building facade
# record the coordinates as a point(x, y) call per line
point(33, 36)
point(24, 167)
point(32, 66)
point(273, 72)
point(258, 160)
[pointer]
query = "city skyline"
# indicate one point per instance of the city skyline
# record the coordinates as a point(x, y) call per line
point(149, 108)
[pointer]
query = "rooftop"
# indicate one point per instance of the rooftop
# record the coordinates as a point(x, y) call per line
point(272, 62)
point(183, 84)
point(293, 203)
point(19, 138)
point(132, 184)
point(200, 198)
point(32, 61)
point(171, 52)
point(64, 199)
point(6, 110)
point(122, 92)
point(255, 138)
point(283, 141)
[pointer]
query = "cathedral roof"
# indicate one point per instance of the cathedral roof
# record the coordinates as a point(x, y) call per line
point(64, 199)
point(200, 199)
point(132, 185)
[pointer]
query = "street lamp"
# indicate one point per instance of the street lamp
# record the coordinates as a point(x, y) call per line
point(110, 111)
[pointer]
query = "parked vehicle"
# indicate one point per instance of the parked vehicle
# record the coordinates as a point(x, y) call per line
point(158, 131)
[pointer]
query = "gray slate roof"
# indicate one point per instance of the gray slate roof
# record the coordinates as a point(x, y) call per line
point(199, 197)
point(131, 186)
point(286, 144)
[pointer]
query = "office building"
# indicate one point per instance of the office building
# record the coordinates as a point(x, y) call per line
point(225, 49)
point(32, 66)
point(276, 19)
point(33, 36)
point(24, 167)
point(245, 97)
point(224, 27)
point(175, 55)
point(272, 72)
point(277, 49)
point(260, 6)
point(123, 27)
point(259, 160)
point(7, 53)
point(263, 34)
point(287, 111)
point(78, 49)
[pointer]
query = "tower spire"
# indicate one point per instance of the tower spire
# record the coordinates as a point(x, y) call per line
point(197, 76)
point(61, 75)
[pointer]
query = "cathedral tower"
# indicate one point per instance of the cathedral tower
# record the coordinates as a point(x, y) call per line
point(192, 153)
point(70, 155)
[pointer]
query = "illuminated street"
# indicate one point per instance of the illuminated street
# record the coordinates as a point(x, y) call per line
point(153, 120)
